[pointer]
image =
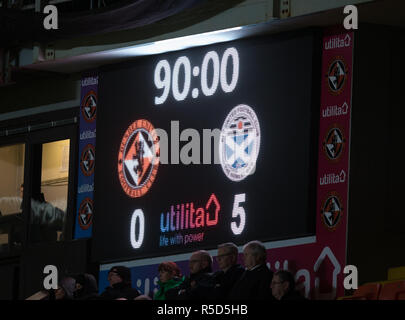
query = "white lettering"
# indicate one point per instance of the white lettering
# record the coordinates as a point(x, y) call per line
point(185, 311)
point(51, 280)
point(337, 42)
point(335, 111)
point(89, 81)
point(351, 280)
point(86, 188)
point(351, 21)
point(190, 153)
point(333, 178)
point(51, 20)
point(89, 134)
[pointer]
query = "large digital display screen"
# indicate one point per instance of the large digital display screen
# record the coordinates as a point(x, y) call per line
point(207, 145)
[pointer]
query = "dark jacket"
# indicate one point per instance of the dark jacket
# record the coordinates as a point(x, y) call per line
point(67, 284)
point(166, 286)
point(198, 286)
point(293, 295)
point(253, 285)
point(224, 281)
point(119, 290)
point(89, 290)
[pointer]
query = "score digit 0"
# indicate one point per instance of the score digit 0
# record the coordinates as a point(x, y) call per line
point(137, 215)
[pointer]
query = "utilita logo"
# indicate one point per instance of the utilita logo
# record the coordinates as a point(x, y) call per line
point(333, 178)
point(89, 134)
point(188, 216)
point(91, 81)
point(335, 111)
point(337, 42)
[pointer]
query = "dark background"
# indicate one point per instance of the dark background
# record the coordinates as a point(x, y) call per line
point(276, 79)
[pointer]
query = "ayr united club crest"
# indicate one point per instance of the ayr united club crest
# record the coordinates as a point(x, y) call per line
point(239, 143)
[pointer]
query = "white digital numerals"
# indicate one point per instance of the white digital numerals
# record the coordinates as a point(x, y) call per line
point(137, 218)
point(182, 61)
point(238, 211)
point(233, 54)
point(209, 81)
point(164, 83)
point(212, 57)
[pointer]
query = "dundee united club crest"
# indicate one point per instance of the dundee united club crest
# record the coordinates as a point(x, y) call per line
point(239, 143)
point(138, 158)
point(85, 215)
point(332, 211)
point(337, 75)
point(87, 160)
point(89, 106)
point(334, 143)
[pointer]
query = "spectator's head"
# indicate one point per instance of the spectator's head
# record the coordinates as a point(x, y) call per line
point(65, 289)
point(86, 284)
point(227, 255)
point(282, 283)
point(200, 260)
point(119, 274)
point(254, 253)
point(143, 297)
point(38, 196)
point(168, 270)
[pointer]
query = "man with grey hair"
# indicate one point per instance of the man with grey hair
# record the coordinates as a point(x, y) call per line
point(256, 279)
point(230, 271)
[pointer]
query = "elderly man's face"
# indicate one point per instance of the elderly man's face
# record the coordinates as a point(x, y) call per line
point(225, 259)
point(249, 258)
point(195, 263)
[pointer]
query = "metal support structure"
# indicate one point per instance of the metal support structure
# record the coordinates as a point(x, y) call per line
point(40, 4)
point(9, 59)
point(2, 66)
point(282, 8)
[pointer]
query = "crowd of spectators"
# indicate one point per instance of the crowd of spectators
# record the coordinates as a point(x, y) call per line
point(253, 281)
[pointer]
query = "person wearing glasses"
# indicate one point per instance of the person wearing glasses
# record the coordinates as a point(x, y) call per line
point(283, 286)
point(120, 287)
point(230, 271)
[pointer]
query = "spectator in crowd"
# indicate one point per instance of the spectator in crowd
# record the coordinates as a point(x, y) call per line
point(119, 278)
point(143, 297)
point(86, 287)
point(169, 278)
point(230, 271)
point(256, 279)
point(65, 289)
point(46, 220)
point(199, 285)
point(283, 286)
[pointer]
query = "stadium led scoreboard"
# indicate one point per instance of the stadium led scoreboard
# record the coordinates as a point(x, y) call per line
point(207, 145)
